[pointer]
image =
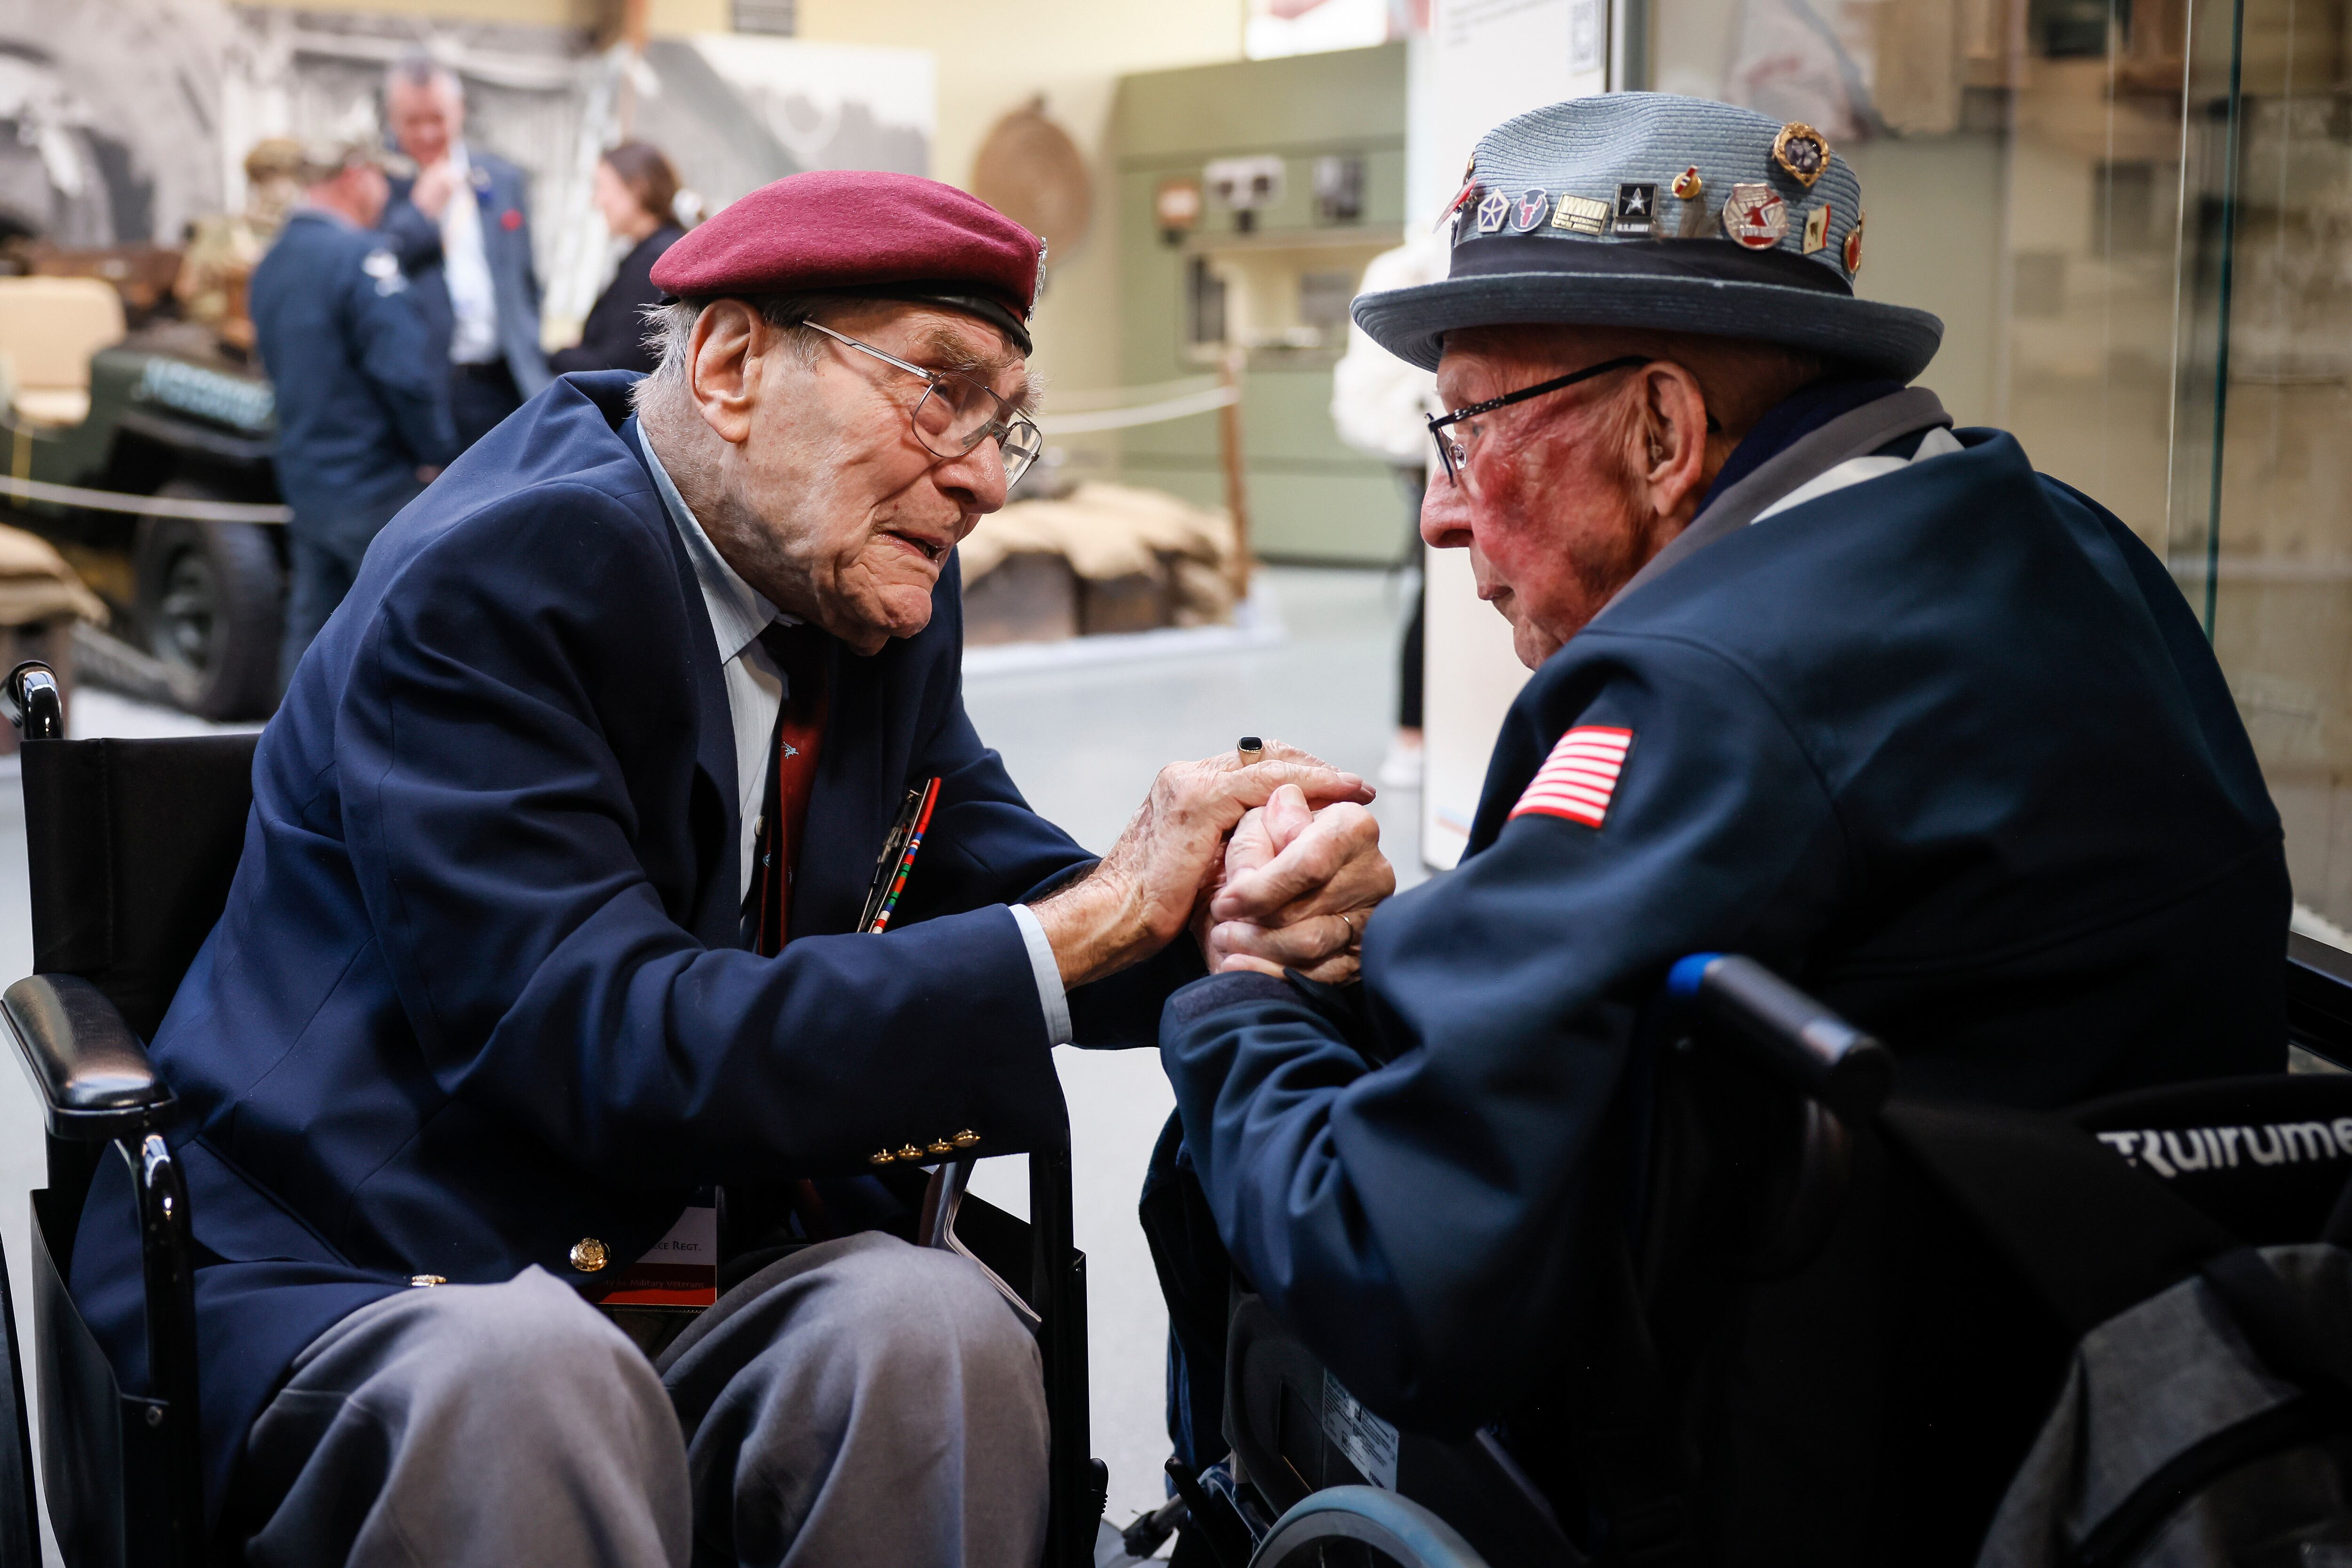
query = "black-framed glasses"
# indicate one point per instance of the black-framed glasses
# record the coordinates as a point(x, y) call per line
point(1455, 455)
point(958, 411)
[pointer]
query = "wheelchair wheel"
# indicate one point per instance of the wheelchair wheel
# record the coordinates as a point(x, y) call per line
point(1362, 1527)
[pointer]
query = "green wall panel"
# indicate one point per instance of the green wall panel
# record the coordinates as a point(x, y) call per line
point(1311, 496)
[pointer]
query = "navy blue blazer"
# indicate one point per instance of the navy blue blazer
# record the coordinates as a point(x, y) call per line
point(1947, 748)
point(360, 402)
point(503, 193)
point(478, 992)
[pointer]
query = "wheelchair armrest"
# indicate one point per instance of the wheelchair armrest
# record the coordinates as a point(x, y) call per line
point(95, 1079)
point(1786, 1033)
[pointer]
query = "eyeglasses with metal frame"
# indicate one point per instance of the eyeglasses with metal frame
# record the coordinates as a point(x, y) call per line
point(1455, 455)
point(958, 411)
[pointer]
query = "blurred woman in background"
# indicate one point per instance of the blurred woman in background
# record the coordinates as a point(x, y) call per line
point(637, 190)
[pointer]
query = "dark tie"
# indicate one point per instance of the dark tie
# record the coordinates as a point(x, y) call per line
point(800, 654)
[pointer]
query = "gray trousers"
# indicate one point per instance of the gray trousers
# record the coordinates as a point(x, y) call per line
point(860, 1402)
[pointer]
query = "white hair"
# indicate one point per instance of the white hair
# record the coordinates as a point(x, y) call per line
point(669, 333)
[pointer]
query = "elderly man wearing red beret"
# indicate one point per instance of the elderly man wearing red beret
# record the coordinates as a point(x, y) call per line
point(542, 986)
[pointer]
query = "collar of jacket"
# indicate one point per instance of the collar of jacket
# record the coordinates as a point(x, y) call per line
point(1804, 456)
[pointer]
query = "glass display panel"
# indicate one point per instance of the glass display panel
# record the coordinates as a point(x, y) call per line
point(2134, 217)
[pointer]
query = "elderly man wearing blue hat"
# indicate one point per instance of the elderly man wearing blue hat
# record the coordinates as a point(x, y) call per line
point(1817, 679)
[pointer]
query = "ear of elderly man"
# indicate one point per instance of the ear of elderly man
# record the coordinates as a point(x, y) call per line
point(542, 975)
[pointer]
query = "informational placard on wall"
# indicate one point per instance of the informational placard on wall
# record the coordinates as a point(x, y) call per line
point(1494, 58)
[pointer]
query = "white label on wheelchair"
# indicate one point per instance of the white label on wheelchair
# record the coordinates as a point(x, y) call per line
point(1370, 1443)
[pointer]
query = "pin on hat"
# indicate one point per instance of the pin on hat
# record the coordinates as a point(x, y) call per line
point(1533, 208)
point(1761, 262)
point(1637, 209)
point(1802, 152)
point(1817, 229)
point(1755, 215)
point(1581, 214)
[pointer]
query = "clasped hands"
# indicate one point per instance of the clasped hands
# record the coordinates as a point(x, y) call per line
point(1271, 864)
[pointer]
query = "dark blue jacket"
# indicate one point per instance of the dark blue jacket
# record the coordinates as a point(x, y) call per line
point(502, 192)
point(1947, 748)
point(361, 403)
point(478, 992)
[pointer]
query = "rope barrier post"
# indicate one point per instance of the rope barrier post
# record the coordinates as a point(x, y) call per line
point(1229, 446)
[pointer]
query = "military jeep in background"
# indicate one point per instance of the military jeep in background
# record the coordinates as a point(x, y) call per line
point(164, 411)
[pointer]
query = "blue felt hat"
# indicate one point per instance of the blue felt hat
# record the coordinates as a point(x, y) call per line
point(1643, 209)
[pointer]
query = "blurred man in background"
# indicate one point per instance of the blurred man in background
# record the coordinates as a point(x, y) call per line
point(461, 228)
point(362, 425)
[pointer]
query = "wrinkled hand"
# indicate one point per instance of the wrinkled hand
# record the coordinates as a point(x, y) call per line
point(436, 183)
point(1145, 892)
point(1297, 885)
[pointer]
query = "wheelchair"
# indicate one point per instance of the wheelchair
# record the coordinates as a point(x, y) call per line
point(133, 845)
point(1837, 1323)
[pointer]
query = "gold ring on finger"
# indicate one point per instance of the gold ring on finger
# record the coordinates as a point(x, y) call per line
point(1250, 748)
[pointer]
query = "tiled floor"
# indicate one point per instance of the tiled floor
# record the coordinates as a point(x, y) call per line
point(1082, 743)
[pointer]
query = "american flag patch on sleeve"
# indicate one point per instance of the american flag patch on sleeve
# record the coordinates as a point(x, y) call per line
point(1579, 777)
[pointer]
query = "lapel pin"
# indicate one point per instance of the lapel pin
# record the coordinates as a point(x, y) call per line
point(1802, 152)
point(1637, 210)
point(1533, 208)
point(1688, 186)
point(1492, 211)
point(1817, 229)
point(1580, 215)
point(1853, 246)
point(1755, 215)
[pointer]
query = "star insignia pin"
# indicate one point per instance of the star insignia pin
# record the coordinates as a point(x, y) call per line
point(1637, 207)
point(1755, 215)
point(1802, 152)
point(1492, 211)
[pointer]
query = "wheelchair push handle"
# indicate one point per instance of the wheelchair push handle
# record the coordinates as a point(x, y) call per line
point(1786, 1033)
point(36, 705)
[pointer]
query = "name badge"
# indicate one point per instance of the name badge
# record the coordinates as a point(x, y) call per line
point(681, 1270)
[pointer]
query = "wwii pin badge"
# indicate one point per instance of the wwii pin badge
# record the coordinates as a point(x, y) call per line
point(1492, 210)
point(1637, 209)
point(1580, 215)
point(1534, 206)
point(1755, 215)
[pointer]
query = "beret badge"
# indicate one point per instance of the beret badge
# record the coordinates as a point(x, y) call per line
point(1802, 152)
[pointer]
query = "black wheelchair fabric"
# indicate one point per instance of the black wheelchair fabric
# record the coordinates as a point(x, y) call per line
point(131, 847)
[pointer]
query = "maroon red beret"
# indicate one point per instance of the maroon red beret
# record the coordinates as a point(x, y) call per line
point(893, 236)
